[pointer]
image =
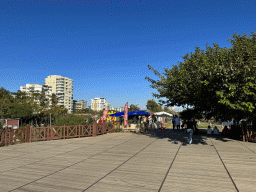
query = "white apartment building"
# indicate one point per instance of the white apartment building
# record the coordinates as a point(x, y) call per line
point(62, 87)
point(78, 105)
point(119, 109)
point(111, 108)
point(98, 104)
point(107, 106)
point(44, 89)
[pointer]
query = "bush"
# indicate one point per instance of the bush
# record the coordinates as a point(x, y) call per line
point(109, 124)
point(72, 119)
point(116, 128)
point(23, 125)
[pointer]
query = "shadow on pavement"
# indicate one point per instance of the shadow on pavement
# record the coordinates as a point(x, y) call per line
point(177, 136)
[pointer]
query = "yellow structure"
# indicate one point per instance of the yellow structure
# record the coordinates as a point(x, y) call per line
point(108, 118)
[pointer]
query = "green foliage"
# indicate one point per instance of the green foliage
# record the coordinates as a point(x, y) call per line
point(72, 119)
point(166, 109)
point(133, 108)
point(189, 113)
point(153, 106)
point(218, 82)
point(109, 124)
point(23, 125)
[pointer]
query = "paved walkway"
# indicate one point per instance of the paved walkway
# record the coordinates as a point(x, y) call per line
point(159, 161)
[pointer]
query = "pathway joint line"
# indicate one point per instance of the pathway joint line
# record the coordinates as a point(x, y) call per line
point(118, 166)
point(225, 167)
point(169, 169)
point(52, 156)
point(69, 166)
point(246, 147)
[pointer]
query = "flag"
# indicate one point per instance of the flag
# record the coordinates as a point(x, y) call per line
point(105, 113)
point(150, 119)
point(126, 115)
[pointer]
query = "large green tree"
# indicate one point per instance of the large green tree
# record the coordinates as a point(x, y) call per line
point(133, 108)
point(217, 82)
point(153, 106)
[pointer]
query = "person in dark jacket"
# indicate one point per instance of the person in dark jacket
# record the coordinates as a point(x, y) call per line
point(190, 126)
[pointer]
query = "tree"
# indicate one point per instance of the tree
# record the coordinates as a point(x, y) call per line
point(217, 82)
point(166, 109)
point(133, 108)
point(6, 102)
point(153, 106)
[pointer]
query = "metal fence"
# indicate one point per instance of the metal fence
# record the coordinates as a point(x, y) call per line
point(28, 134)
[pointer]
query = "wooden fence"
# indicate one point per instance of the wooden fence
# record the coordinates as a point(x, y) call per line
point(28, 134)
point(249, 134)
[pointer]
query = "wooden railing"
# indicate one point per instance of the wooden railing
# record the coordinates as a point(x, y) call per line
point(249, 134)
point(28, 134)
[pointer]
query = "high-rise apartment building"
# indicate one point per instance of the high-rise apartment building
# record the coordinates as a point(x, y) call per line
point(43, 89)
point(107, 106)
point(78, 105)
point(98, 104)
point(62, 87)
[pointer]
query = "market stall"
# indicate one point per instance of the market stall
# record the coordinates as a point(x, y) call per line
point(160, 122)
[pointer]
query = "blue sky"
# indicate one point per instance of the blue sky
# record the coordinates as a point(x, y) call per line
point(105, 46)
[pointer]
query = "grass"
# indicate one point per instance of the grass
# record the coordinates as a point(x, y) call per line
point(201, 126)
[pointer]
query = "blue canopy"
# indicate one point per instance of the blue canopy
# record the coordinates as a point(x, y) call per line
point(117, 114)
point(138, 113)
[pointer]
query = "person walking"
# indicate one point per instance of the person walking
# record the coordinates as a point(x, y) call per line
point(177, 122)
point(190, 129)
point(173, 121)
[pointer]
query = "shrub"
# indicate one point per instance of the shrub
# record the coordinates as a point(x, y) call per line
point(72, 119)
point(23, 125)
point(109, 124)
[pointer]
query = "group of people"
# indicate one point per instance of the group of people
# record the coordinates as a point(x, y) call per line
point(215, 131)
point(176, 122)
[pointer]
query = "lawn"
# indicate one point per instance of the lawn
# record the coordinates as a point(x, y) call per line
point(201, 125)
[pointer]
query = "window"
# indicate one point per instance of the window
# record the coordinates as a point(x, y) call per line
point(15, 126)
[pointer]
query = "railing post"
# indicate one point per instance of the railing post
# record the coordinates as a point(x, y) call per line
point(79, 131)
point(64, 131)
point(10, 136)
point(94, 129)
point(6, 135)
point(2, 136)
point(51, 133)
point(48, 132)
point(26, 134)
point(29, 134)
